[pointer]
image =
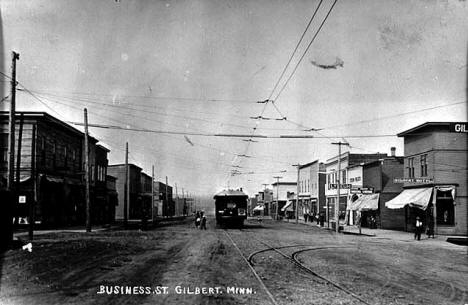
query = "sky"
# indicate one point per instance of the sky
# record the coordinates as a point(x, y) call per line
point(201, 67)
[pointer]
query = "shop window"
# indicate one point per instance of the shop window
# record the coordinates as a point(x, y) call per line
point(445, 208)
point(410, 167)
point(423, 165)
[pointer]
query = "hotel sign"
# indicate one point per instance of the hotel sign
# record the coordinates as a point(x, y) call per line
point(459, 127)
point(413, 180)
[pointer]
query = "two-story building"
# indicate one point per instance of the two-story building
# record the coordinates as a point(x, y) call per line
point(282, 192)
point(132, 186)
point(51, 170)
point(164, 204)
point(372, 184)
point(435, 177)
point(347, 160)
point(311, 188)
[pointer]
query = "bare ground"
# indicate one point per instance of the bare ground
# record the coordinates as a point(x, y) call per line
point(72, 268)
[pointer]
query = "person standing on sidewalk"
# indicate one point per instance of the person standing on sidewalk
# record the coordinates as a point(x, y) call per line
point(430, 227)
point(418, 226)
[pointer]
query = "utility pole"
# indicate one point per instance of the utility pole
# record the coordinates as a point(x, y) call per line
point(167, 197)
point(86, 148)
point(297, 197)
point(152, 195)
point(11, 124)
point(32, 202)
point(277, 192)
point(177, 204)
point(337, 204)
point(126, 192)
point(18, 166)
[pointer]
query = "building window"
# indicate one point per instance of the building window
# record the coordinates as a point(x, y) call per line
point(343, 176)
point(65, 156)
point(4, 154)
point(410, 167)
point(424, 165)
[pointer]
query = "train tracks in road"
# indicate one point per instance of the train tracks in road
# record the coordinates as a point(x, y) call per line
point(293, 258)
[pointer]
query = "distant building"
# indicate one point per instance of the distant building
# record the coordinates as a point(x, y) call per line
point(435, 177)
point(265, 199)
point(282, 192)
point(164, 202)
point(134, 187)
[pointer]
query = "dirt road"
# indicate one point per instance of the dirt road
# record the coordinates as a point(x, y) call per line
point(181, 265)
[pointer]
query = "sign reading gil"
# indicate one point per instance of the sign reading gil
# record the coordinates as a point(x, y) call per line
point(459, 127)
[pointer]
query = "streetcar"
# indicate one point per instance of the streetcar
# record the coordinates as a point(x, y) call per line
point(231, 207)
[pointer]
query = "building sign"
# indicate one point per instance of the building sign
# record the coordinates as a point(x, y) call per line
point(459, 127)
point(362, 190)
point(413, 180)
point(21, 199)
point(334, 186)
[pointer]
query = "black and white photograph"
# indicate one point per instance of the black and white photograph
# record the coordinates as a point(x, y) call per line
point(263, 152)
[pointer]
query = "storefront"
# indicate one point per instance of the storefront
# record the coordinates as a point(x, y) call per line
point(363, 210)
point(435, 204)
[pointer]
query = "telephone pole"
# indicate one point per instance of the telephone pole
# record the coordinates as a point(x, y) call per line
point(152, 195)
point(11, 124)
point(126, 192)
point(277, 192)
point(337, 204)
point(297, 197)
point(86, 148)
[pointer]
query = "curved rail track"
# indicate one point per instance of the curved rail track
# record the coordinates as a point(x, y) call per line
point(294, 259)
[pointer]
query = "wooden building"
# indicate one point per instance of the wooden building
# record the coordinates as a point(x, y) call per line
point(435, 177)
point(51, 172)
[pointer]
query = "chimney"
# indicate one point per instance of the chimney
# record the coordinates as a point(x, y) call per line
point(392, 151)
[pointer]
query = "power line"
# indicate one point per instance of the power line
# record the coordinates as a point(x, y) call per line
point(175, 98)
point(295, 50)
point(305, 52)
point(226, 135)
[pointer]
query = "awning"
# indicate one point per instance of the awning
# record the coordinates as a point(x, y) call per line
point(287, 206)
point(259, 208)
point(418, 198)
point(54, 179)
point(366, 202)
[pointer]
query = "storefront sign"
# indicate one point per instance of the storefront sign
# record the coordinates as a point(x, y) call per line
point(334, 186)
point(362, 190)
point(21, 199)
point(413, 180)
point(459, 127)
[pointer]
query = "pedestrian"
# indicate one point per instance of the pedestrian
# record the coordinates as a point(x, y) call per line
point(430, 227)
point(203, 223)
point(418, 228)
point(305, 216)
point(322, 219)
point(197, 219)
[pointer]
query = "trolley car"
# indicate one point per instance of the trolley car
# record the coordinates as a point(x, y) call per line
point(231, 207)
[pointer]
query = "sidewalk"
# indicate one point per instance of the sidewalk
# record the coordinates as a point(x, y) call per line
point(402, 236)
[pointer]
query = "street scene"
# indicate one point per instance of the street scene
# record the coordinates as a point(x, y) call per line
point(233, 152)
point(261, 263)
